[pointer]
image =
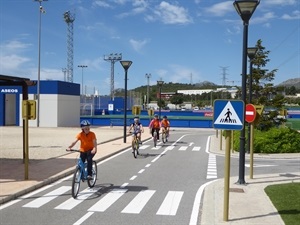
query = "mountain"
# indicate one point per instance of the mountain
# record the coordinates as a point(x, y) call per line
point(291, 82)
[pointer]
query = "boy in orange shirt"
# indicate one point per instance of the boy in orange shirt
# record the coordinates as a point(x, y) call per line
point(155, 125)
point(165, 125)
point(88, 145)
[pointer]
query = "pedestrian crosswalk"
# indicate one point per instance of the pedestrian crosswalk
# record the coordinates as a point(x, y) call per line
point(167, 207)
point(170, 147)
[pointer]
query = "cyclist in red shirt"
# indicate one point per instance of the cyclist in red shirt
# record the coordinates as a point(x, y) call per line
point(165, 125)
point(88, 145)
point(155, 125)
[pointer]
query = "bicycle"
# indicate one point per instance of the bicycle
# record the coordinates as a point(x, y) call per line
point(164, 136)
point(81, 174)
point(135, 145)
point(155, 138)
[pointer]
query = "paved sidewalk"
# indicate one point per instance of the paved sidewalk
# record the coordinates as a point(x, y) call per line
point(249, 205)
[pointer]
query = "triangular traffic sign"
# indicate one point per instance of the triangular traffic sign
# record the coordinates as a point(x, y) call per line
point(228, 116)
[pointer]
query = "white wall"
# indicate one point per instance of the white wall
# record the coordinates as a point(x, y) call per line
point(56, 110)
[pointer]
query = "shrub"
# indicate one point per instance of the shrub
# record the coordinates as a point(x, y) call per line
point(275, 140)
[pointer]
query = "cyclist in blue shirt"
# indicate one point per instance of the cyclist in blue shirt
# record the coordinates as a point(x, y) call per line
point(137, 128)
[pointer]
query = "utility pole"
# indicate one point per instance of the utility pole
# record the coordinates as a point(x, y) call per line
point(224, 69)
point(148, 75)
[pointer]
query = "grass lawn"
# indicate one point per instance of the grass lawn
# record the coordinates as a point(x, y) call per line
point(286, 199)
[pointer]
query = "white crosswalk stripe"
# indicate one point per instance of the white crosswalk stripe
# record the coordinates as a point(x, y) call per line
point(138, 203)
point(157, 147)
point(105, 202)
point(71, 203)
point(212, 167)
point(170, 204)
point(144, 146)
point(47, 197)
point(196, 148)
point(183, 148)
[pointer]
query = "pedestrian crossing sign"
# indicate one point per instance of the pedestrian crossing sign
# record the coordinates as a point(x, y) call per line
point(228, 114)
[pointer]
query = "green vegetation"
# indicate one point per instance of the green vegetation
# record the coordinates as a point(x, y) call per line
point(275, 140)
point(286, 199)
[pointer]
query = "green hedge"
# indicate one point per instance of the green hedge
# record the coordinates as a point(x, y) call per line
point(275, 140)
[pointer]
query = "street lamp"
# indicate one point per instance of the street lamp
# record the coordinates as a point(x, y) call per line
point(160, 83)
point(41, 9)
point(245, 8)
point(148, 75)
point(82, 66)
point(251, 52)
point(126, 65)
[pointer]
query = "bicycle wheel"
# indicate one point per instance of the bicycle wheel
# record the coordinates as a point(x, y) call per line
point(135, 148)
point(92, 182)
point(155, 138)
point(76, 182)
point(163, 137)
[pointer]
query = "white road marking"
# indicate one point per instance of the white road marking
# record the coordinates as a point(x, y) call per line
point(256, 165)
point(157, 147)
point(170, 204)
point(47, 197)
point(141, 171)
point(138, 203)
point(197, 202)
point(148, 165)
point(144, 146)
point(71, 203)
point(24, 197)
point(212, 167)
point(169, 148)
point(196, 149)
point(84, 218)
point(105, 202)
point(124, 185)
point(160, 155)
point(133, 177)
point(183, 148)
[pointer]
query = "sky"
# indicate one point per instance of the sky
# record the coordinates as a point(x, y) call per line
point(182, 41)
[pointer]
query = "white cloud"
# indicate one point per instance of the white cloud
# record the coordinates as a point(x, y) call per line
point(220, 9)
point(138, 45)
point(280, 2)
point(264, 18)
point(101, 3)
point(178, 74)
point(171, 14)
point(295, 16)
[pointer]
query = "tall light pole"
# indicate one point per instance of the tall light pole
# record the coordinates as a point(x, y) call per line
point(126, 65)
point(82, 66)
point(41, 9)
point(245, 8)
point(160, 83)
point(112, 58)
point(251, 52)
point(148, 75)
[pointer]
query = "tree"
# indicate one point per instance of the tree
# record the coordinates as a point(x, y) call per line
point(263, 90)
point(176, 99)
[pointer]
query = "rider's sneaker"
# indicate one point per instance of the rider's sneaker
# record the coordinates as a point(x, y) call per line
point(89, 177)
point(166, 139)
point(140, 142)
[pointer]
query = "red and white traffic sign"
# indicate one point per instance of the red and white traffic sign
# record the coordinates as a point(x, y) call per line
point(250, 113)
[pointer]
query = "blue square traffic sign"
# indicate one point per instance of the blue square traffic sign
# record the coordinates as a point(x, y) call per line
point(228, 114)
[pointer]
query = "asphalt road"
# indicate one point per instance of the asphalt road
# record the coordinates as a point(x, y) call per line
point(159, 187)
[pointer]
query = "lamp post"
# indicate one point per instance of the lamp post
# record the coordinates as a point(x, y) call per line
point(160, 83)
point(41, 9)
point(251, 52)
point(82, 66)
point(245, 8)
point(126, 65)
point(148, 75)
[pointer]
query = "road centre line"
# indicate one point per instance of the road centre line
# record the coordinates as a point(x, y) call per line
point(148, 165)
point(124, 185)
point(133, 177)
point(141, 171)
